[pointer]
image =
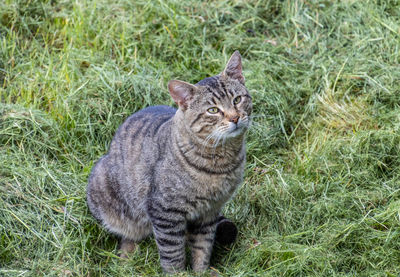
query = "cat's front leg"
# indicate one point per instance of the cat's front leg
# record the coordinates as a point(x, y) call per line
point(201, 235)
point(169, 228)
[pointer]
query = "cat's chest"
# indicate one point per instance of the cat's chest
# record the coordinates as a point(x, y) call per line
point(210, 193)
point(215, 187)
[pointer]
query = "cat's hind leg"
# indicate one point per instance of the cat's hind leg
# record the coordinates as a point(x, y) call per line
point(107, 204)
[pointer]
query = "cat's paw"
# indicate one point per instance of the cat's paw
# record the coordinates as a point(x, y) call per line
point(125, 247)
point(226, 231)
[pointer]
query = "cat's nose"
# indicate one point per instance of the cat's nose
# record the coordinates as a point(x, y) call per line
point(234, 119)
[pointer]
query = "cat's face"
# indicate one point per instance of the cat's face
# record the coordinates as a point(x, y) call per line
point(217, 108)
point(221, 109)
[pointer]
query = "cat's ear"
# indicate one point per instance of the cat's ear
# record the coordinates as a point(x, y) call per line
point(181, 92)
point(233, 68)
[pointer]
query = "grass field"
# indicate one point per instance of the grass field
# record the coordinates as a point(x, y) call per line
point(321, 195)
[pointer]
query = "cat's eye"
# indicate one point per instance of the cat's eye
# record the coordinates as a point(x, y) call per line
point(213, 110)
point(237, 100)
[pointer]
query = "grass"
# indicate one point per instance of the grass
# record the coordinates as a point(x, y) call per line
point(321, 195)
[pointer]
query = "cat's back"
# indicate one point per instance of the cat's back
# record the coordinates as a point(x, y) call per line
point(147, 117)
point(146, 124)
point(155, 111)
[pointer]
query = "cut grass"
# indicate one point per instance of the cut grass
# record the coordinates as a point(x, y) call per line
point(321, 195)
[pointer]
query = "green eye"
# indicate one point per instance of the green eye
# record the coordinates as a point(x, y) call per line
point(237, 100)
point(213, 110)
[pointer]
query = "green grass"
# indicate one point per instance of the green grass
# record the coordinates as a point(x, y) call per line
point(321, 195)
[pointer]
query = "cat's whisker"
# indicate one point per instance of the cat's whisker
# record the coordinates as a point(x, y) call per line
point(220, 135)
point(217, 137)
point(216, 142)
point(213, 135)
point(257, 126)
point(217, 134)
point(223, 141)
point(258, 116)
point(208, 138)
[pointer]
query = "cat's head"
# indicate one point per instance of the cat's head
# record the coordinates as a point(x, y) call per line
point(218, 107)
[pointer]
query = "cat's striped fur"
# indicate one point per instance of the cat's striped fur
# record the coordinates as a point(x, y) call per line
point(169, 172)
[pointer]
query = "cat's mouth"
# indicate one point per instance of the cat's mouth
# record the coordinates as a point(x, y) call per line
point(235, 129)
point(229, 131)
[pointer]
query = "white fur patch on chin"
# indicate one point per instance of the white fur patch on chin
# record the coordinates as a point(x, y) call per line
point(234, 130)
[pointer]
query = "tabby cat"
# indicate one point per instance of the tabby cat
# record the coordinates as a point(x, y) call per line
point(169, 171)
